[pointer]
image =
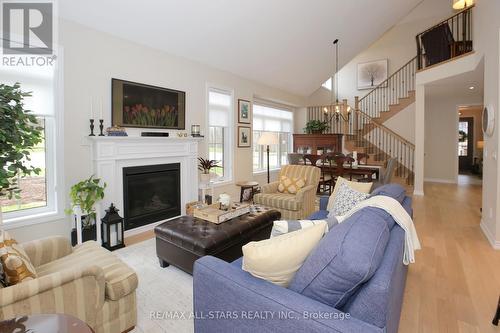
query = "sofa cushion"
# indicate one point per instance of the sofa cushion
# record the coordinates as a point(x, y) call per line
point(394, 191)
point(277, 259)
point(344, 259)
point(358, 186)
point(120, 279)
point(278, 200)
point(345, 200)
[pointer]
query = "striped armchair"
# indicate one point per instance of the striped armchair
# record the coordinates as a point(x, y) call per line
point(292, 206)
point(87, 282)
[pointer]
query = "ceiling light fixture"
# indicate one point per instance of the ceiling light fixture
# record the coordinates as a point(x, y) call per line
point(472, 88)
point(462, 4)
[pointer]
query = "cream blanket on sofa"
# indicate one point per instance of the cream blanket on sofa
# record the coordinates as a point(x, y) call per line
point(399, 214)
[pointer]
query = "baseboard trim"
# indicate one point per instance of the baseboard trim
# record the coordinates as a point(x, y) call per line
point(489, 235)
point(440, 180)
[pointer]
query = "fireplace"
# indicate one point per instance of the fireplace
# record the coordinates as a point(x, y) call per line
point(151, 193)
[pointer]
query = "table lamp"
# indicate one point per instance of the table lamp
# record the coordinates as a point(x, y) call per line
point(267, 139)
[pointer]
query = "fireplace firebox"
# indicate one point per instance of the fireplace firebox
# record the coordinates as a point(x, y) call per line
point(151, 193)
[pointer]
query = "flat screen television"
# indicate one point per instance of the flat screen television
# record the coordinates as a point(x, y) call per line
point(141, 105)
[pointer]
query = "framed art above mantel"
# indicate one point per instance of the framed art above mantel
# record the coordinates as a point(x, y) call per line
point(145, 106)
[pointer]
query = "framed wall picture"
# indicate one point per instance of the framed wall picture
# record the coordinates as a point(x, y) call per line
point(244, 111)
point(371, 74)
point(244, 137)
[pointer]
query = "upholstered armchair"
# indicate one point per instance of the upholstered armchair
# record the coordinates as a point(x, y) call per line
point(292, 206)
point(87, 282)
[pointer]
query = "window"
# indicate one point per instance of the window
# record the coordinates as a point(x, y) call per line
point(278, 119)
point(220, 108)
point(327, 84)
point(38, 192)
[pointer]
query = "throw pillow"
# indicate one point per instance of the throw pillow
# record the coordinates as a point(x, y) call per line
point(344, 259)
point(346, 199)
point(16, 265)
point(360, 187)
point(278, 259)
point(291, 185)
point(283, 227)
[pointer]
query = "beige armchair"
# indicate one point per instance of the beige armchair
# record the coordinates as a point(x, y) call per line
point(292, 206)
point(87, 282)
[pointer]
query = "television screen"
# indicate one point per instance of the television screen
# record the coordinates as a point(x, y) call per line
point(145, 106)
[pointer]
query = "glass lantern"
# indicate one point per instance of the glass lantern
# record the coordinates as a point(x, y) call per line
point(112, 229)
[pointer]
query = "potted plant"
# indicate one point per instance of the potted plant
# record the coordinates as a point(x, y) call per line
point(316, 127)
point(84, 195)
point(205, 165)
point(19, 134)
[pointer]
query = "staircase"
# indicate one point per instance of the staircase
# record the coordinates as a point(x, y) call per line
point(364, 131)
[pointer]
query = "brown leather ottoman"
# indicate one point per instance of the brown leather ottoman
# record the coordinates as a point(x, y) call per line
point(181, 241)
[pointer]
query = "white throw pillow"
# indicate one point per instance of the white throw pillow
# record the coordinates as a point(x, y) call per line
point(346, 199)
point(278, 259)
point(360, 187)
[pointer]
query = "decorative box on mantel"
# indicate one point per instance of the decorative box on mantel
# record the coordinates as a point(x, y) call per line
point(110, 155)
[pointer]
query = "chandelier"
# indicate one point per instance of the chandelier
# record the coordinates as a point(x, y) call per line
point(336, 110)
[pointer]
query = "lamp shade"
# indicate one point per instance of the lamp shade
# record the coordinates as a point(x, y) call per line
point(461, 4)
point(268, 138)
point(480, 145)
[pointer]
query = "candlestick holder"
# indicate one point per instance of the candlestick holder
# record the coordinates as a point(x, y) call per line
point(91, 127)
point(101, 127)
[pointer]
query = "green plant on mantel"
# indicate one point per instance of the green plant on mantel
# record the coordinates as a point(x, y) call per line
point(85, 194)
point(316, 127)
point(19, 134)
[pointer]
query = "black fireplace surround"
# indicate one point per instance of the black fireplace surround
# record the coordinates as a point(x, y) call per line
point(151, 193)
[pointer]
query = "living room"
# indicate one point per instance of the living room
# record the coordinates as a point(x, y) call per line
point(174, 142)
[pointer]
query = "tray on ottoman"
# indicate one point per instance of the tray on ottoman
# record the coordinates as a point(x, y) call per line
point(180, 242)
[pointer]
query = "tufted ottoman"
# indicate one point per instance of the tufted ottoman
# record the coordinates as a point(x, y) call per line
point(181, 241)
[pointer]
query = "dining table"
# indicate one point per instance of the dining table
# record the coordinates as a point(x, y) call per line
point(368, 171)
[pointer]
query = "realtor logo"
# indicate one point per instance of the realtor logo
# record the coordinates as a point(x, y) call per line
point(27, 27)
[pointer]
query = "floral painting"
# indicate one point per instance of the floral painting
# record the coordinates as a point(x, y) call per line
point(140, 105)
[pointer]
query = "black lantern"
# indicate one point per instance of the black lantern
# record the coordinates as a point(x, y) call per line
point(112, 229)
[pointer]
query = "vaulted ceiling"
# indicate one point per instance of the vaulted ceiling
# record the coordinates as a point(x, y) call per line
point(283, 43)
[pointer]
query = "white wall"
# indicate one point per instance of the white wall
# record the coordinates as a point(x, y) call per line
point(487, 44)
point(92, 58)
point(402, 123)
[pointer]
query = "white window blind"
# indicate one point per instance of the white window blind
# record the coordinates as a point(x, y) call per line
point(220, 104)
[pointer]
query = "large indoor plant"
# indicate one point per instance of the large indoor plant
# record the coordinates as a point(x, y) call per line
point(84, 195)
point(316, 127)
point(19, 134)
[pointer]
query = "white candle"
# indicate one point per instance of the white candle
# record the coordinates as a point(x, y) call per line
point(100, 109)
point(91, 109)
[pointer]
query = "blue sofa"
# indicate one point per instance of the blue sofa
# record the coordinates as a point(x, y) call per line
point(228, 299)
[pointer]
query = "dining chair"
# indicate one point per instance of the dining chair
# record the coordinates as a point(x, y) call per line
point(295, 158)
point(312, 159)
point(327, 173)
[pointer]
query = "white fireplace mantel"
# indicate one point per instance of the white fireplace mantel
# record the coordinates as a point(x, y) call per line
point(111, 154)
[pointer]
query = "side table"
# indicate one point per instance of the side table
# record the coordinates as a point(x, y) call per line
point(247, 186)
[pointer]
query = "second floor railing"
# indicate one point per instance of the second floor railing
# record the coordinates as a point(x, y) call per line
point(446, 40)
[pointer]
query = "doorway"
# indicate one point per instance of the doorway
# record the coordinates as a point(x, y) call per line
point(465, 144)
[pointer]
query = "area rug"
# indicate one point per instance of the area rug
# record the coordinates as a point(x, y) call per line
point(164, 295)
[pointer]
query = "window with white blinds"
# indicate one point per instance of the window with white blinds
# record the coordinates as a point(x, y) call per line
point(220, 106)
point(270, 117)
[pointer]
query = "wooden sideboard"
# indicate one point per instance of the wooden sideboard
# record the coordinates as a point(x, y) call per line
point(317, 143)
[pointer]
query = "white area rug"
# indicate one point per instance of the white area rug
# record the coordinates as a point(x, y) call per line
point(165, 290)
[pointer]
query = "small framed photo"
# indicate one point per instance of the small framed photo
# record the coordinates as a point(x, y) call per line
point(244, 111)
point(244, 137)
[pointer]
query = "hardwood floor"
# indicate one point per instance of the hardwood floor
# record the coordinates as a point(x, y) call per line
point(455, 283)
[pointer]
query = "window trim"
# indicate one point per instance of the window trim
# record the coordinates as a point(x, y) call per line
point(228, 137)
point(54, 160)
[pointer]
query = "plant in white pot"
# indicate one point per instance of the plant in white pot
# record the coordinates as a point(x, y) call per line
point(19, 134)
point(84, 195)
point(205, 165)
